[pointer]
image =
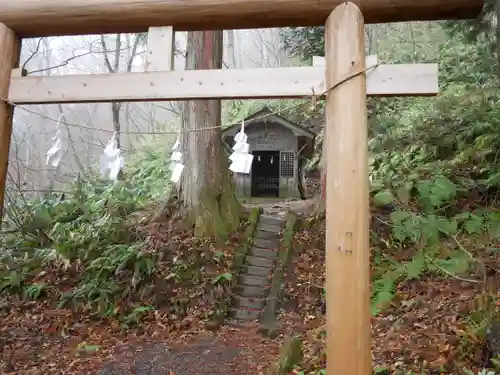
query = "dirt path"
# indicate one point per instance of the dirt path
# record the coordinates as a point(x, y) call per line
point(88, 348)
point(240, 353)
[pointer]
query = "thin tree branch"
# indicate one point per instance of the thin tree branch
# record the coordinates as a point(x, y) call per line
point(106, 57)
point(133, 53)
point(67, 61)
point(117, 52)
point(34, 53)
point(64, 63)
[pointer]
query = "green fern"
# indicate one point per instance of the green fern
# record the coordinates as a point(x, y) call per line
point(34, 291)
point(423, 262)
point(384, 289)
point(458, 263)
point(416, 266)
point(382, 297)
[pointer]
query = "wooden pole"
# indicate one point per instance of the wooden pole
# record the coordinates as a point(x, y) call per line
point(347, 211)
point(10, 49)
point(33, 18)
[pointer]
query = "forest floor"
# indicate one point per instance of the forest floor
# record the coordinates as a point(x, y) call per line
point(39, 337)
point(36, 337)
point(96, 348)
point(423, 327)
point(432, 324)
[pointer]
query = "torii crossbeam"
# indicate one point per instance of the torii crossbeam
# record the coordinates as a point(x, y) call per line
point(294, 82)
point(30, 18)
point(347, 212)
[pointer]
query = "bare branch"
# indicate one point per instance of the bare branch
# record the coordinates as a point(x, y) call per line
point(64, 63)
point(106, 58)
point(67, 61)
point(117, 52)
point(34, 53)
point(133, 53)
point(75, 153)
point(171, 109)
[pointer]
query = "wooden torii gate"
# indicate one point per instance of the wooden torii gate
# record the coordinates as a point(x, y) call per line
point(348, 272)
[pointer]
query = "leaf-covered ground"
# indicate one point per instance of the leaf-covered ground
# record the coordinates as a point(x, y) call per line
point(163, 325)
point(40, 340)
point(432, 324)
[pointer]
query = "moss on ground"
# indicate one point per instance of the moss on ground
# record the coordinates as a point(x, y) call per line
point(284, 256)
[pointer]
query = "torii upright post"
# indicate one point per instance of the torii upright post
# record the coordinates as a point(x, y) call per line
point(10, 49)
point(347, 205)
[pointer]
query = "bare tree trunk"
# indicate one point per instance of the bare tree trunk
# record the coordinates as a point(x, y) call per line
point(498, 37)
point(321, 200)
point(231, 49)
point(115, 111)
point(206, 191)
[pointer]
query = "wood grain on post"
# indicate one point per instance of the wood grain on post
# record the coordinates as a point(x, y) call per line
point(32, 18)
point(161, 49)
point(347, 212)
point(10, 49)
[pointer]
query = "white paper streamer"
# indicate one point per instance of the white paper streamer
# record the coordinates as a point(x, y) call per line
point(111, 163)
point(54, 154)
point(176, 165)
point(240, 158)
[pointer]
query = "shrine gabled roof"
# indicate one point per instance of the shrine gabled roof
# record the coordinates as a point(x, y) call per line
point(266, 115)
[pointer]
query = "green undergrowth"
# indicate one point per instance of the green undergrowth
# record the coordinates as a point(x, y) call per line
point(427, 237)
point(247, 240)
point(435, 210)
point(432, 224)
point(435, 184)
point(291, 354)
point(426, 216)
point(91, 250)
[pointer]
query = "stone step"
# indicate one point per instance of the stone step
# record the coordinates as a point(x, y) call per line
point(246, 280)
point(275, 228)
point(265, 235)
point(251, 260)
point(245, 314)
point(271, 220)
point(257, 271)
point(264, 253)
point(251, 291)
point(265, 244)
point(250, 303)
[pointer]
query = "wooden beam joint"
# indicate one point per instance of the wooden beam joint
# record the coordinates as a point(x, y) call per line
point(19, 72)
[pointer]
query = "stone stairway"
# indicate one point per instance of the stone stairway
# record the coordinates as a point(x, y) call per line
point(255, 278)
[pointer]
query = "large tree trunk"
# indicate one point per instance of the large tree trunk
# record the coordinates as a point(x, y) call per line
point(321, 199)
point(497, 31)
point(231, 50)
point(115, 111)
point(206, 191)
